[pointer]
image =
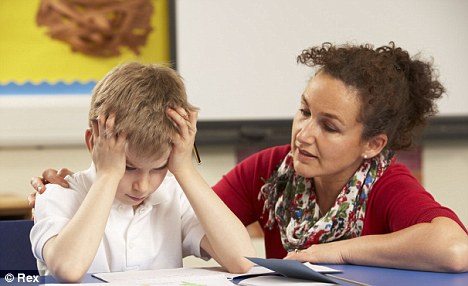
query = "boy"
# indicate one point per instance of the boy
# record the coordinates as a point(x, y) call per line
point(125, 212)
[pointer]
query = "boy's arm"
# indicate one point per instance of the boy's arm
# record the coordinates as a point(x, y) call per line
point(226, 238)
point(69, 254)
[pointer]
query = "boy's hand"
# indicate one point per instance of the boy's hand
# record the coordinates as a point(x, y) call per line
point(182, 143)
point(108, 150)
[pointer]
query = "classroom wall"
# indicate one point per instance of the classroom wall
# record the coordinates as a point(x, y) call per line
point(444, 168)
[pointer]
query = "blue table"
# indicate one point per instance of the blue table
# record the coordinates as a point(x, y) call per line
point(372, 276)
point(388, 276)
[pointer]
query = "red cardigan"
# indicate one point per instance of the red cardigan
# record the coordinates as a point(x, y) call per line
point(395, 202)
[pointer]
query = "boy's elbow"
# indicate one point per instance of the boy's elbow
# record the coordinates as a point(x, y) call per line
point(67, 273)
point(241, 266)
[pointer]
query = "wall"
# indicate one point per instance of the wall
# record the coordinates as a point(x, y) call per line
point(445, 165)
point(248, 50)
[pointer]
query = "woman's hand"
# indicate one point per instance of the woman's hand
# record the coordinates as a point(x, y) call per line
point(408, 248)
point(183, 142)
point(327, 253)
point(51, 176)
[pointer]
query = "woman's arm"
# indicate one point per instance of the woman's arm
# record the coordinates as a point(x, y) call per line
point(226, 238)
point(69, 254)
point(441, 245)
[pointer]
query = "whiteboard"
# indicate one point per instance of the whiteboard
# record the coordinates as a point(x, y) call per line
point(238, 58)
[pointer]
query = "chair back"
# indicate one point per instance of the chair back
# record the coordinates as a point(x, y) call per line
point(15, 246)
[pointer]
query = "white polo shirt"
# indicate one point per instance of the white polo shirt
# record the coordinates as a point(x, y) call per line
point(162, 231)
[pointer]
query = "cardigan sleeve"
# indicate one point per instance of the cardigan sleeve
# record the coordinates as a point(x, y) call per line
point(398, 201)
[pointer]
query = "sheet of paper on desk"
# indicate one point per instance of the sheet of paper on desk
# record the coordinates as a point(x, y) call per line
point(254, 271)
point(292, 269)
point(321, 268)
point(260, 270)
point(168, 277)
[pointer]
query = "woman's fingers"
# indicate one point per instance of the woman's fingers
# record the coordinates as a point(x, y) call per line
point(32, 199)
point(37, 184)
point(54, 177)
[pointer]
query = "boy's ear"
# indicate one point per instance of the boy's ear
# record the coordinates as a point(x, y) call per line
point(89, 139)
point(375, 145)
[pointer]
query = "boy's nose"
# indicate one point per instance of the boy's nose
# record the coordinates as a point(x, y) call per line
point(142, 184)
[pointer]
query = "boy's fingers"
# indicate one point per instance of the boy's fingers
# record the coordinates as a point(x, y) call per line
point(109, 125)
point(95, 129)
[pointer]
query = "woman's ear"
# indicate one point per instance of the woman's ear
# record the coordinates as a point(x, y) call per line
point(89, 139)
point(375, 145)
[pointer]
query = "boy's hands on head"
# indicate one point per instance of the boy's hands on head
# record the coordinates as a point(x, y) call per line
point(108, 148)
point(182, 143)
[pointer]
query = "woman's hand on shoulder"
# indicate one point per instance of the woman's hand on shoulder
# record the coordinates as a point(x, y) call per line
point(49, 176)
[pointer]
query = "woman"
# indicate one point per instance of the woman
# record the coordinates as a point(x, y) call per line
point(335, 194)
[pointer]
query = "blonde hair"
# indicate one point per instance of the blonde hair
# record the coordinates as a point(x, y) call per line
point(139, 94)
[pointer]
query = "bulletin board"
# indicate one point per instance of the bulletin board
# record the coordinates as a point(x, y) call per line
point(47, 81)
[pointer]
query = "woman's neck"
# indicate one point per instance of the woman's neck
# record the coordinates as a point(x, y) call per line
point(327, 192)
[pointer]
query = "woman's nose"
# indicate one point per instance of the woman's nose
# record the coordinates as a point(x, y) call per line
point(307, 132)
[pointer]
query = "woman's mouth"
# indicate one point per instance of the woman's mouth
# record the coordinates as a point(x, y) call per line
point(304, 154)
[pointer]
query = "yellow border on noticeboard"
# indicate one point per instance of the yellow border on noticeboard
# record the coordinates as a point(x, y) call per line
point(28, 54)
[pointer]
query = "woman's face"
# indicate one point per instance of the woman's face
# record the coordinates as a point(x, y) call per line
point(326, 136)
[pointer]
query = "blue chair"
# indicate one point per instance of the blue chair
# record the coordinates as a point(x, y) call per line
point(15, 246)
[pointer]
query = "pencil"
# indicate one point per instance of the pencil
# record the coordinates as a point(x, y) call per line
point(347, 280)
point(195, 152)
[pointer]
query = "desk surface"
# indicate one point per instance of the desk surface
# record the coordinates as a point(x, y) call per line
point(387, 276)
point(372, 276)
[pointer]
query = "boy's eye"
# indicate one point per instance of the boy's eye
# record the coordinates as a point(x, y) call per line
point(128, 168)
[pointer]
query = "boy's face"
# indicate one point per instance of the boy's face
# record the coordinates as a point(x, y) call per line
point(142, 177)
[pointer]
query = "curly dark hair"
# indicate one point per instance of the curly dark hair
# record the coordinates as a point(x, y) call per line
point(397, 92)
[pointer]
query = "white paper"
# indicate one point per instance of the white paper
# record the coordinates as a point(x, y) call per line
point(321, 268)
point(212, 276)
point(168, 277)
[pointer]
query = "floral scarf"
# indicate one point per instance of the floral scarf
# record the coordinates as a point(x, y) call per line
point(291, 201)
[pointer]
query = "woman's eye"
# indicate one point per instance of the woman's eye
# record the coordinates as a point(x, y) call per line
point(304, 112)
point(330, 128)
point(128, 168)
